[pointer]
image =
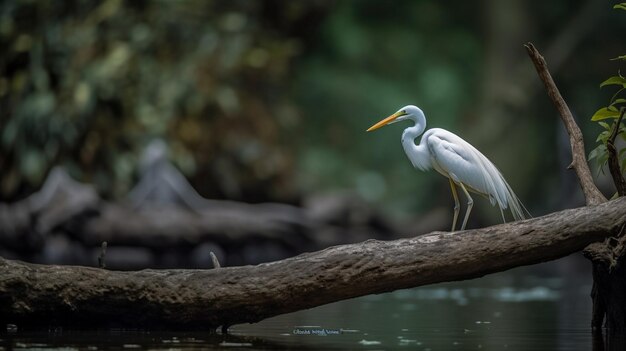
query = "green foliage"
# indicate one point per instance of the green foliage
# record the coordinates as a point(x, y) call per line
point(605, 112)
point(88, 85)
point(612, 112)
point(615, 80)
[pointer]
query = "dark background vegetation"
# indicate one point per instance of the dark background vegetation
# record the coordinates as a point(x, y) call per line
point(269, 100)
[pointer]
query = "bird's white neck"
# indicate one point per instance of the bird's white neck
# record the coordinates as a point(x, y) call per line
point(418, 154)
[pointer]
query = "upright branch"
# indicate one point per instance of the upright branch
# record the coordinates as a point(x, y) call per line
point(607, 257)
point(616, 173)
point(593, 196)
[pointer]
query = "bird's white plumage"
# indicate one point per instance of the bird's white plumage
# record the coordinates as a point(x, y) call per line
point(459, 160)
point(455, 159)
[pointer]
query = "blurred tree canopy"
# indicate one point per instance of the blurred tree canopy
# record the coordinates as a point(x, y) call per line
point(269, 100)
point(86, 84)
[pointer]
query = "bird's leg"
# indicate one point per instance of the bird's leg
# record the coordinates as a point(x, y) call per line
point(470, 203)
point(457, 205)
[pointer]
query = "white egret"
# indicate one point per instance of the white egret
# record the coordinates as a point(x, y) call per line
point(457, 160)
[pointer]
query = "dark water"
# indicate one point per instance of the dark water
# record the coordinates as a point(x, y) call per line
point(543, 307)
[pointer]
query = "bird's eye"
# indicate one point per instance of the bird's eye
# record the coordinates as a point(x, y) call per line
point(404, 112)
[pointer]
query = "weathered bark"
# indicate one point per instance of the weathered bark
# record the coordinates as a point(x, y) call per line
point(616, 172)
point(593, 196)
point(609, 276)
point(609, 282)
point(32, 295)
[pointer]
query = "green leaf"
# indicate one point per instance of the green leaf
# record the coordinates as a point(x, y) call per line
point(621, 6)
point(603, 158)
point(603, 136)
point(605, 125)
point(622, 57)
point(598, 152)
point(618, 101)
point(604, 113)
point(615, 80)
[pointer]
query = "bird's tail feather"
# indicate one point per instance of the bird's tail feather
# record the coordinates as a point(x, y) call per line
point(518, 210)
point(504, 195)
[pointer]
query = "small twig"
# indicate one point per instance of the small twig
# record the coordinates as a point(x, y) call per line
point(216, 262)
point(616, 173)
point(103, 253)
point(593, 196)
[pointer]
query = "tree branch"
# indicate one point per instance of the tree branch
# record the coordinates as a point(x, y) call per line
point(32, 295)
point(593, 196)
point(616, 173)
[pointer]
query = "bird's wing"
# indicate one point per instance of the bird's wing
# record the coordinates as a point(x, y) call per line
point(455, 157)
point(464, 163)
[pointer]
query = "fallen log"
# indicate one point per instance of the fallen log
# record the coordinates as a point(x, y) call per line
point(65, 220)
point(38, 295)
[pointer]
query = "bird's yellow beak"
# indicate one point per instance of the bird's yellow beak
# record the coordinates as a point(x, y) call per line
point(386, 121)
